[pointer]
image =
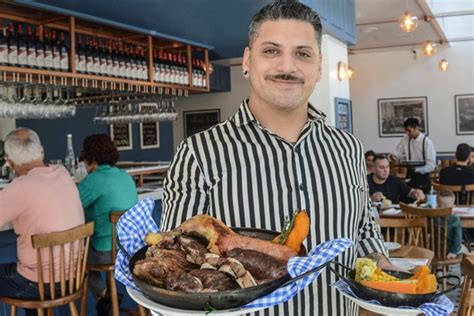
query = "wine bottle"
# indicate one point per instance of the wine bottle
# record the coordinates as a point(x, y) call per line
point(31, 48)
point(3, 45)
point(48, 51)
point(56, 51)
point(64, 53)
point(39, 49)
point(12, 46)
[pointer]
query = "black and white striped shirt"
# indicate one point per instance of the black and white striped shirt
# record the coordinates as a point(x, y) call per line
point(247, 176)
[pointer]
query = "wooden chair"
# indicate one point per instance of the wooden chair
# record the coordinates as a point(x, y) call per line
point(405, 231)
point(436, 233)
point(467, 294)
point(109, 269)
point(459, 190)
point(72, 276)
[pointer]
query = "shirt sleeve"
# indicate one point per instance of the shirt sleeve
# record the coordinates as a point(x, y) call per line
point(185, 189)
point(12, 202)
point(399, 149)
point(87, 193)
point(430, 158)
point(370, 239)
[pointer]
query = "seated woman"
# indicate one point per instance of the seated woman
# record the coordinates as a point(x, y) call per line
point(369, 161)
point(106, 188)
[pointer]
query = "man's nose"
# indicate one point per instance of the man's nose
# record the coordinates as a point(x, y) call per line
point(287, 63)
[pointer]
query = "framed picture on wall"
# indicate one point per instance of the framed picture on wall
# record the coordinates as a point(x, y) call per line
point(150, 131)
point(393, 112)
point(198, 121)
point(343, 114)
point(121, 133)
point(464, 104)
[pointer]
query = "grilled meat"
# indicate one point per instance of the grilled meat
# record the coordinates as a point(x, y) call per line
point(183, 281)
point(260, 265)
point(195, 251)
point(214, 280)
point(223, 239)
point(159, 263)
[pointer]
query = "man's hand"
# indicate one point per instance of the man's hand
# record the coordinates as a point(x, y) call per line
point(417, 194)
point(377, 197)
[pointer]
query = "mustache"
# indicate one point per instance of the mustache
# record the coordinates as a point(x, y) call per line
point(285, 77)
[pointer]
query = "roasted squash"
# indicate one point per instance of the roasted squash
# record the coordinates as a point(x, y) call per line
point(421, 282)
point(294, 231)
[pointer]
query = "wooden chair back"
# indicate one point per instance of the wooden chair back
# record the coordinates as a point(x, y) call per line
point(114, 217)
point(406, 231)
point(437, 227)
point(464, 193)
point(72, 244)
point(467, 294)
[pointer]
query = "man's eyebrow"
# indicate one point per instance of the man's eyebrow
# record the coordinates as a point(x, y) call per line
point(271, 43)
point(278, 45)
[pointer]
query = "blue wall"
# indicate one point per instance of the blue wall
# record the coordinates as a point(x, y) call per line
point(53, 136)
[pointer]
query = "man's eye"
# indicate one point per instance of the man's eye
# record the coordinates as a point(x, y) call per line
point(270, 51)
point(303, 54)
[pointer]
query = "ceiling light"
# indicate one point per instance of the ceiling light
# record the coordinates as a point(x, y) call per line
point(408, 22)
point(428, 48)
point(443, 64)
point(350, 72)
point(341, 70)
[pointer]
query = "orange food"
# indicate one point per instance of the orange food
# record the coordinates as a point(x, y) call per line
point(420, 272)
point(299, 232)
point(295, 231)
point(427, 284)
point(405, 287)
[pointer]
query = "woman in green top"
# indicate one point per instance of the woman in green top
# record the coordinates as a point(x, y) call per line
point(106, 188)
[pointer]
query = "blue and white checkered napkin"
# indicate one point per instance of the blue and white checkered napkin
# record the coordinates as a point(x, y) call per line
point(137, 222)
point(441, 306)
point(131, 231)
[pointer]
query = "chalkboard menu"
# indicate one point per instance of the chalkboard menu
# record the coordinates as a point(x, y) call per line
point(121, 134)
point(198, 121)
point(149, 135)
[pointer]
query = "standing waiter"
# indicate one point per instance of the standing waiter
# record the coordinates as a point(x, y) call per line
point(277, 155)
point(416, 146)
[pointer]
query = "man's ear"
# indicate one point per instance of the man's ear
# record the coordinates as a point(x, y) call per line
point(246, 60)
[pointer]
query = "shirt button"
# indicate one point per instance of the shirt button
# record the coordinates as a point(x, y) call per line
point(302, 187)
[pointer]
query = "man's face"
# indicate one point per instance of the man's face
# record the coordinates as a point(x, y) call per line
point(284, 64)
point(381, 168)
point(471, 158)
point(412, 132)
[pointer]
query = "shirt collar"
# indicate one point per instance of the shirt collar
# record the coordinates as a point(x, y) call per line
point(244, 115)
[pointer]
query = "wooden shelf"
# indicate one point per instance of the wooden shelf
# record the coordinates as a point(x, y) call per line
point(54, 77)
point(76, 26)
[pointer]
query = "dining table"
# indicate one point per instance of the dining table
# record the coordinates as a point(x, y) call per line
point(465, 213)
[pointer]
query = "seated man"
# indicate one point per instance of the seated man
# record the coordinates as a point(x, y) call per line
point(40, 199)
point(460, 173)
point(383, 186)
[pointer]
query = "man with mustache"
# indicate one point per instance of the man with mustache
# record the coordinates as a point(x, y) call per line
point(276, 155)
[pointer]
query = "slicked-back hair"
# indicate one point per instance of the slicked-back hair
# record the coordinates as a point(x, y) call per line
point(23, 145)
point(411, 122)
point(463, 151)
point(285, 9)
point(101, 149)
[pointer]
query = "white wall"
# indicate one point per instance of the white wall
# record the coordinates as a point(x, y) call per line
point(333, 51)
point(326, 90)
point(398, 74)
